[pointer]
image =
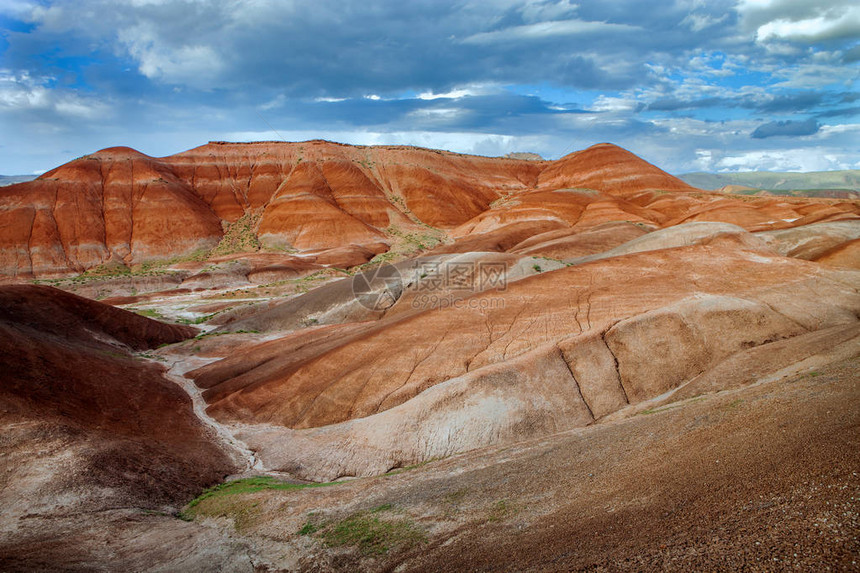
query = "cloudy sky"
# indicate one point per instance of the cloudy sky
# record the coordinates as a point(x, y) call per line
point(690, 85)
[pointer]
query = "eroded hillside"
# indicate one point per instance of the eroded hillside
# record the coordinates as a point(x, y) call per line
point(364, 310)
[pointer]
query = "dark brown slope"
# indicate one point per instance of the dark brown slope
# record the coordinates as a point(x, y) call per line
point(759, 480)
point(52, 312)
point(86, 427)
point(763, 478)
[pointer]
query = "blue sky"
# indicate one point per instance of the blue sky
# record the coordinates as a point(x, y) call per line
point(690, 85)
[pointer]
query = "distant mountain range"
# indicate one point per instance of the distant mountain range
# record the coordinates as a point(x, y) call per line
point(847, 180)
point(12, 179)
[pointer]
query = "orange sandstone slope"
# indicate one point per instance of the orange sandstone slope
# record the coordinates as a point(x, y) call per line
point(115, 203)
point(120, 206)
point(608, 168)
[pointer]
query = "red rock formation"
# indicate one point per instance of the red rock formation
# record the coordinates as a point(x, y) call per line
point(122, 207)
point(115, 203)
point(304, 214)
point(422, 350)
point(608, 168)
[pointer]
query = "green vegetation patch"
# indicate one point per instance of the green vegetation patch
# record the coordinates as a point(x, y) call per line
point(373, 532)
point(213, 333)
point(239, 236)
point(500, 510)
point(226, 499)
point(251, 485)
point(149, 313)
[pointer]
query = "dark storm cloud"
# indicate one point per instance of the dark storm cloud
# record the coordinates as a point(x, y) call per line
point(348, 48)
point(792, 102)
point(99, 73)
point(841, 112)
point(786, 129)
point(852, 55)
point(675, 104)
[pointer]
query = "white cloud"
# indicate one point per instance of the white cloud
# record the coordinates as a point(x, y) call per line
point(436, 112)
point(613, 104)
point(194, 65)
point(16, 8)
point(800, 20)
point(22, 93)
point(540, 11)
point(698, 22)
point(544, 30)
point(274, 103)
point(828, 131)
point(799, 159)
point(456, 93)
point(704, 159)
point(814, 76)
point(824, 27)
point(687, 127)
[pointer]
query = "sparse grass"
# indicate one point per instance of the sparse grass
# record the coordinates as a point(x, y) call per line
point(366, 163)
point(373, 532)
point(113, 354)
point(670, 406)
point(149, 356)
point(158, 266)
point(208, 334)
point(309, 528)
point(198, 320)
point(222, 499)
point(405, 244)
point(239, 236)
point(287, 286)
point(456, 496)
point(500, 510)
point(149, 313)
point(109, 271)
point(379, 259)
point(410, 467)
point(452, 501)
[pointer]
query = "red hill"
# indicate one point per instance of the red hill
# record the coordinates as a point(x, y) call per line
point(121, 206)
